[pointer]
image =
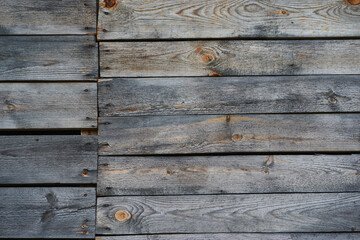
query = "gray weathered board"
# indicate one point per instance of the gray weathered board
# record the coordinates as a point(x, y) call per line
point(229, 95)
point(48, 105)
point(229, 133)
point(47, 17)
point(47, 212)
point(48, 58)
point(229, 58)
point(228, 174)
point(158, 19)
point(48, 159)
point(331, 212)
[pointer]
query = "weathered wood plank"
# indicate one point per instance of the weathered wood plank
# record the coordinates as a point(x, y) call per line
point(229, 213)
point(229, 133)
point(48, 105)
point(48, 159)
point(228, 174)
point(47, 17)
point(138, 19)
point(229, 58)
point(47, 212)
point(169, 96)
point(48, 58)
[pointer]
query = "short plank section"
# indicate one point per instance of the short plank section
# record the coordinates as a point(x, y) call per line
point(229, 133)
point(137, 19)
point(47, 17)
point(228, 174)
point(229, 95)
point(337, 212)
point(47, 212)
point(48, 105)
point(48, 58)
point(229, 58)
point(48, 159)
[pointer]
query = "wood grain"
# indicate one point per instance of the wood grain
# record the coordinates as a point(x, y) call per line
point(48, 105)
point(47, 212)
point(48, 58)
point(229, 58)
point(48, 159)
point(157, 19)
point(229, 133)
point(229, 213)
point(47, 17)
point(229, 95)
point(228, 174)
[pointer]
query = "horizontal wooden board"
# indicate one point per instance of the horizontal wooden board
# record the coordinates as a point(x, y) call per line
point(229, 213)
point(228, 174)
point(229, 95)
point(48, 159)
point(48, 58)
point(48, 105)
point(229, 133)
point(138, 19)
point(47, 212)
point(47, 17)
point(229, 58)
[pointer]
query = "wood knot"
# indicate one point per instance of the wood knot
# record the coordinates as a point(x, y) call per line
point(352, 2)
point(109, 4)
point(122, 215)
point(237, 137)
point(207, 58)
point(214, 74)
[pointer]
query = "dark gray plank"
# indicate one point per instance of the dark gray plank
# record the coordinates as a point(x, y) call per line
point(48, 58)
point(48, 159)
point(223, 19)
point(229, 95)
point(229, 133)
point(228, 174)
point(48, 105)
point(47, 17)
point(337, 212)
point(47, 212)
point(229, 58)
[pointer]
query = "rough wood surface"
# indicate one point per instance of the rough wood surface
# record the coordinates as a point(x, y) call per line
point(229, 95)
point(157, 19)
point(47, 212)
point(228, 174)
point(47, 17)
point(229, 133)
point(229, 58)
point(48, 105)
point(229, 213)
point(48, 58)
point(48, 159)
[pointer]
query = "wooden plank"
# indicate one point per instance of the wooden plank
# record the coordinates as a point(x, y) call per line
point(48, 58)
point(48, 105)
point(334, 212)
point(229, 95)
point(228, 174)
point(47, 212)
point(48, 159)
point(137, 19)
point(229, 58)
point(229, 133)
point(47, 17)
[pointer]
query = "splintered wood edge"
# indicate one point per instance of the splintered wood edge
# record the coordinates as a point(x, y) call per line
point(89, 132)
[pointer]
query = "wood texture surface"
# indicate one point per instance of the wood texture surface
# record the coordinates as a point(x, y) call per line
point(157, 19)
point(47, 17)
point(229, 213)
point(47, 213)
point(48, 105)
point(228, 174)
point(229, 58)
point(48, 159)
point(229, 133)
point(229, 95)
point(48, 58)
